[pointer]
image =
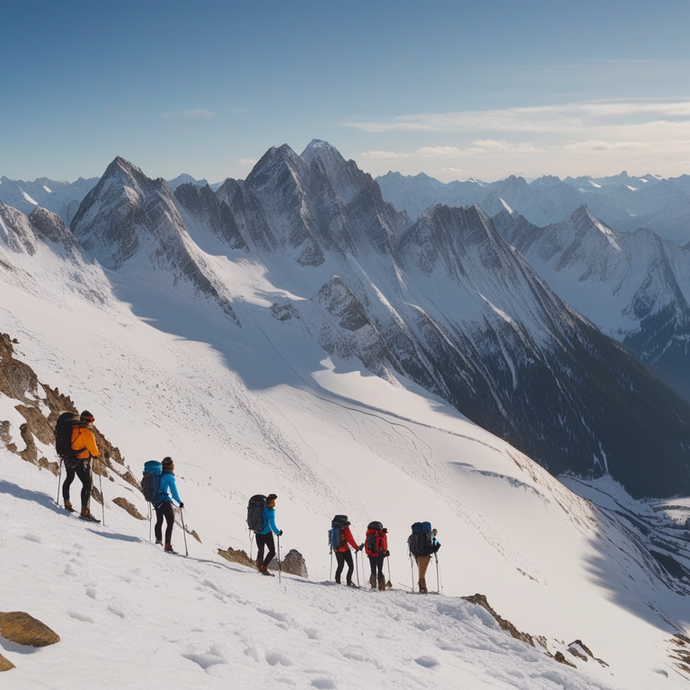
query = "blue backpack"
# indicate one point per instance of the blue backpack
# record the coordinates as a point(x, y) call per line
point(338, 524)
point(151, 481)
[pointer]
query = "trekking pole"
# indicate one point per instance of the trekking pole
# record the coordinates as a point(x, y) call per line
point(412, 572)
point(150, 522)
point(57, 495)
point(280, 570)
point(357, 567)
point(100, 482)
point(438, 575)
point(389, 584)
point(330, 574)
point(184, 532)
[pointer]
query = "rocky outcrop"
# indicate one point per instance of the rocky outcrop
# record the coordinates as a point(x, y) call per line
point(294, 564)
point(507, 626)
point(237, 556)
point(21, 628)
point(5, 664)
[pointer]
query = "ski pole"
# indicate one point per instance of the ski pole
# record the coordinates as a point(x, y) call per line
point(57, 495)
point(279, 566)
point(184, 531)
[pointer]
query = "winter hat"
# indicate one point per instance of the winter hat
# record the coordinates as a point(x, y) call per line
point(168, 464)
point(271, 500)
point(86, 417)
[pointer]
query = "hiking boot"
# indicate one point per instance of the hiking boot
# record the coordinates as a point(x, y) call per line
point(169, 548)
point(159, 542)
point(68, 507)
point(372, 580)
point(337, 579)
point(86, 515)
point(264, 571)
point(422, 586)
point(382, 583)
point(351, 584)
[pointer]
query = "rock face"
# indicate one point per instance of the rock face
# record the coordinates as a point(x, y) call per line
point(293, 563)
point(21, 628)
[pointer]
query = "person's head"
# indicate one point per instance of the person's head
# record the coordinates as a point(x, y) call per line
point(271, 500)
point(86, 418)
point(168, 464)
point(434, 531)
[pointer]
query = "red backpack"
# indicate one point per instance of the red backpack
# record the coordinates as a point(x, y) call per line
point(376, 538)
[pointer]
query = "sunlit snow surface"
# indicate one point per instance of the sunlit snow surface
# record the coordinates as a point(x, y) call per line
point(262, 408)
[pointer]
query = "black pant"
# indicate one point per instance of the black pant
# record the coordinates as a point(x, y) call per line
point(265, 541)
point(164, 510)
point(343, 557)
point(82, 470)
point(376, 563)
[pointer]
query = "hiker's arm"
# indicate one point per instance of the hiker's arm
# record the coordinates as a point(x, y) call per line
point(90, 442)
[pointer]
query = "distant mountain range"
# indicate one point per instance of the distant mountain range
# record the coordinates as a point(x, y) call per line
point(446, 302)
point(623, 202)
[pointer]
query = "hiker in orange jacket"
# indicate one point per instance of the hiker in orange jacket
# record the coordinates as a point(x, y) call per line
point(85, 448)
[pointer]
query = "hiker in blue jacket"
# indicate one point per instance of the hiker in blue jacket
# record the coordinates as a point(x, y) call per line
point(264, 538)
point(167, 492)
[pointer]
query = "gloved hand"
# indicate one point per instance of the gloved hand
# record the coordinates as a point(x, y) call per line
point(181, 505)
point(388, 553)
point(360, 547)
point(280, 533)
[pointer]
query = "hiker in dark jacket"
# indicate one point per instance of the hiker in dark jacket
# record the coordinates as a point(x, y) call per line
point(85, 448)
point(167, 492)
point(264, 538)
point(377, 550)
point(343, 554)
point(423, 561)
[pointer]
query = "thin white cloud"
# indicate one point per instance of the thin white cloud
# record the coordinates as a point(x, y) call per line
point(191, 114)
point(247, 161)
point(479, 147)
point(558, 118)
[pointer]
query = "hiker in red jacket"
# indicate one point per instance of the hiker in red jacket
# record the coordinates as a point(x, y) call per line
point(343, 554)
point(377, 550)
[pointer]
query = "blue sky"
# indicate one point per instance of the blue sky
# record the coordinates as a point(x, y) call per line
point(453, 89)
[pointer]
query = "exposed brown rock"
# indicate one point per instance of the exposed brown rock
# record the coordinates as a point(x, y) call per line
point(5, 664)
point(558, 656)
point(129, 507)
point(481, 600)
point(237, 556)
point(21, 628)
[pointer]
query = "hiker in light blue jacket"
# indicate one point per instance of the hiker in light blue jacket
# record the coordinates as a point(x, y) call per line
point(264, 538)
point(167, 492)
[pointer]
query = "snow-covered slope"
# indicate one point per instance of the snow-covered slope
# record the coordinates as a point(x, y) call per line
point(634, 286)
point(241, 414)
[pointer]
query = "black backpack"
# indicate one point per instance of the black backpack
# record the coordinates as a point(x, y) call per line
point(63, 435)
point(255, 512)
point(420, 542)
point(151, 481)
point(338, 523)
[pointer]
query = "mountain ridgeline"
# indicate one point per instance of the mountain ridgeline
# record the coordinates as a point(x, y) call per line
point(445, 301)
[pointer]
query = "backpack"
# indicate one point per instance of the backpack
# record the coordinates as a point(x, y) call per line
point(255, 512)
point(374, 537)
point(63, 436)
point(420, 542)
point(335, 534)
point(151, 481)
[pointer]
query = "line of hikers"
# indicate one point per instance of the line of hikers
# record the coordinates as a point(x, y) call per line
point(76, 445)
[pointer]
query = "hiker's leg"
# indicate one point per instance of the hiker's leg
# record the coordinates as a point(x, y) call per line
point(169, 520)
point(423, 564)
point(84, 475)
point(350, 566)
point(340, 558)
point(271, 546)
point(69, 478)
point(158, 527)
